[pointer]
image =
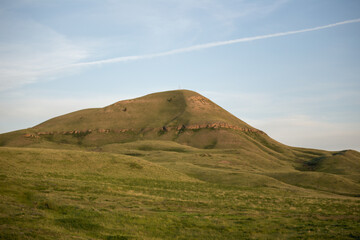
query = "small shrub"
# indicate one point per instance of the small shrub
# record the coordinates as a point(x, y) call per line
point(211, 145)
point(145, 148)
point(175, 149)
point(77, 223)
point(135, 165)
point(116, 237)
point(47, 204)
point(80, 134)
point(134, 154)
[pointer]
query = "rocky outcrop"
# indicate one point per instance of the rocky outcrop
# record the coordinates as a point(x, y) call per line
point(179, 129)
point(199, 99)
point(29, 135)
point(221, 125)
point(217, 125)
point(103, 130)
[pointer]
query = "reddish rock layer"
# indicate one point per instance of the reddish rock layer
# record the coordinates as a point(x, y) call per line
point(164, 128)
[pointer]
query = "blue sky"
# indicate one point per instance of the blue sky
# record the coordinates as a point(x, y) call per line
point(303, 89)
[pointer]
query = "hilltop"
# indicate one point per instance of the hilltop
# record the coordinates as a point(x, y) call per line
point(182, 116)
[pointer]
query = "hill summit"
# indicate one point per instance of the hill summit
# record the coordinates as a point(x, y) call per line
point(182, 116)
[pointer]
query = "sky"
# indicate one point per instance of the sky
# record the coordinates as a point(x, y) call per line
point(288, 67)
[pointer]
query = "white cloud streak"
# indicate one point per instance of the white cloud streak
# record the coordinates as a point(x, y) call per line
point(63, 56)
point(209, 45)
point(30, 51)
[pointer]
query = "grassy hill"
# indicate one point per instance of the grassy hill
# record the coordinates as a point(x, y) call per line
point(182, 116)
point(186, 122)
point(71, 194)
point(170, 109)
point(171, 165)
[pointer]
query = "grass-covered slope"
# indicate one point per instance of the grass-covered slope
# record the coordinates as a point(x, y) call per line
point(171, 165)
point(170, 109)
point(176, 125)
point(71, 194)
point(182, 116)
point(241, 167)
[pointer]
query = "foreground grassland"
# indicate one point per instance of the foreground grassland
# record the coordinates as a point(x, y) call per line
point(151, 192)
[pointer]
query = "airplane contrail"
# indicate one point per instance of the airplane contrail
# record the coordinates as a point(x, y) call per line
point(209, 45)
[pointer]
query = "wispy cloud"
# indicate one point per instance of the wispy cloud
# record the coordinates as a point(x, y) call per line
point(209, 45)
point(30, 51)
point(29, 58)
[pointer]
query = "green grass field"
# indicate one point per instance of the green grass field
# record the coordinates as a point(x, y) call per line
point(160, 190)
point(171, 165)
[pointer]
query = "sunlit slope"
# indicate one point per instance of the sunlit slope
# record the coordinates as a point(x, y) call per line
point(166, 165)
point(57, 163)
point(260, 167)
point(180, 129)
point(182, 116)
point(67, 194)
point(169, 109)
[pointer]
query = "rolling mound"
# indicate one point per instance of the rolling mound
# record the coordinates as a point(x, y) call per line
point(171, 165)
point(182, 116)
point(187, 133)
